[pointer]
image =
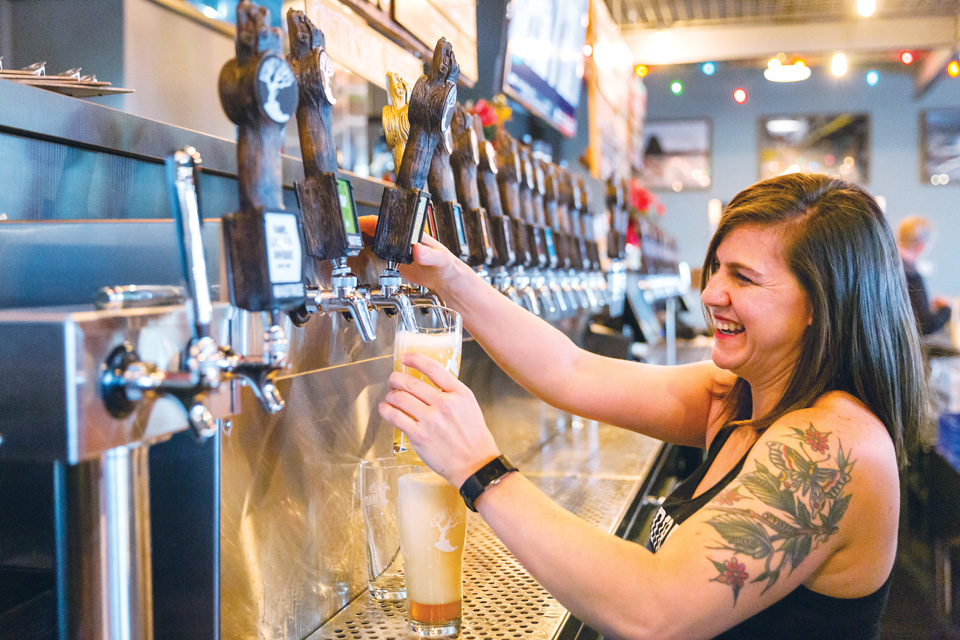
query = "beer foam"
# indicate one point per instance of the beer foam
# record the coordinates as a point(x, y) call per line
point(411, 341)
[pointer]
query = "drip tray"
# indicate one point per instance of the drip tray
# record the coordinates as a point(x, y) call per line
point(501, 600)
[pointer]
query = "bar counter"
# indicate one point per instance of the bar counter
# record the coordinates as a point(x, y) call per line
point(594, 471)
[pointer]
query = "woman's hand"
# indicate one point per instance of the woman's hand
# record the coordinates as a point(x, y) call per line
point(433, 265)
point(444, 424)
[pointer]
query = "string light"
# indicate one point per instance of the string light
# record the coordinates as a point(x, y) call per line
point(776, 71)
point(587, 50)
point(739, 95)
point(906, 57)
point(953, 69)
point(866, 7)
point(838, 65)
point(873, 78)
point(676, 87)
point(709, 68)
point(641, 70)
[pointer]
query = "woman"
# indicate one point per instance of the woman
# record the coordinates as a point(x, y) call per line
point(789, 529)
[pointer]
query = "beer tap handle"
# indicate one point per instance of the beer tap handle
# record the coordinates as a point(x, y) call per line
point(504, 240)
point(465, 161)
point(330, 224)
point(403, 207)
point(183, 178)
point(263, 245)
point(447, 212)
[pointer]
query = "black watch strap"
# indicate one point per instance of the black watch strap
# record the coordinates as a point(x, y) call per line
point(486, 476)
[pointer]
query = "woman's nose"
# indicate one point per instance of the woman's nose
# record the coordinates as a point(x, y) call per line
point(714, 294)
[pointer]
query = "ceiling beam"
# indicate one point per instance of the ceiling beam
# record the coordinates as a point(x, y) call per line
point(931, 69)
point(684, 45)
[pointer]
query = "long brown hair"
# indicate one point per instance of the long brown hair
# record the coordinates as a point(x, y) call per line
point(863, 339)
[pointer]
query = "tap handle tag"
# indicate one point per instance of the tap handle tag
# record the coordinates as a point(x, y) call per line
point(183, 173)
point(522, 247)
point(330, 226)
point(549, 247)
point(451, 230)
point(481, 247)
point(266, 238)
point(403, 213)
point(501, 233)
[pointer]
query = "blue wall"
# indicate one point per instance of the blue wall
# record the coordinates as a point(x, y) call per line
point(894, 146)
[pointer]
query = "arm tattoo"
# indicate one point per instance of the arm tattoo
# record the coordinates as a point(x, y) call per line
point(808, 501)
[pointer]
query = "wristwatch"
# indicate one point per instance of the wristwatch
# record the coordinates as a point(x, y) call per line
point(486, 476)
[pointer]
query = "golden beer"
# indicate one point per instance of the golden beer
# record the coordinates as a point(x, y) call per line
point(441, 341)
point(433, 526)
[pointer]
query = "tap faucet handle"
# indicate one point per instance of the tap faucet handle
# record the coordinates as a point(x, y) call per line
point(183, 173)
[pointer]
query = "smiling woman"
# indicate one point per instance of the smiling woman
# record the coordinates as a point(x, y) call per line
point(789, 527)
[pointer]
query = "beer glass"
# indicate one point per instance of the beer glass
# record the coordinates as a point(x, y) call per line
point(378, 502)
point(434, 331)
point(433, 525)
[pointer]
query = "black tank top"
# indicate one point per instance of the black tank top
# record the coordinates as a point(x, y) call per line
point(801, 614)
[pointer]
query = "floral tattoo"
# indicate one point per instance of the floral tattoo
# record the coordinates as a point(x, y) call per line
point(808, 499)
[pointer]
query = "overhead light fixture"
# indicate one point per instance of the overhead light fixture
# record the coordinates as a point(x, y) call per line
point(838, 64)
point(866, 7)
point(776, 71)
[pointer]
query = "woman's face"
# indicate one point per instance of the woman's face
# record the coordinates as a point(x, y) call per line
point(759, 309)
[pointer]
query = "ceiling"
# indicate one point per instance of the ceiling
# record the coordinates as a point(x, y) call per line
point(663, 14)
point(749, 32)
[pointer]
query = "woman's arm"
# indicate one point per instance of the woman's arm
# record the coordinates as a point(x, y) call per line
point(809, 506)
point(668, 403)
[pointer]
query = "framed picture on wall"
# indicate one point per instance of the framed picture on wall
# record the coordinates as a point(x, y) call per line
point(676, 155)
point(940, 163)
point(835, 144)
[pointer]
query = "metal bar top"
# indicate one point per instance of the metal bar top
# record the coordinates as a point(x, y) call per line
point(593, 471)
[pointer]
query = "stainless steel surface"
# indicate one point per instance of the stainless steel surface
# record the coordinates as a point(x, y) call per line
point(594, 472)
point(135, 296)
point(50, 368)
point(108, 572)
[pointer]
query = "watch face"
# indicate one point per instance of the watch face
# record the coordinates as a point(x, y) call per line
point(327, 78)
point(448, 107)
point(474, 146)
point(491, 156)
point(276, 89)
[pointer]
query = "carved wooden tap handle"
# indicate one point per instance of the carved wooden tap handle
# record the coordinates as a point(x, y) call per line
point(430, 109)
point(263, 244)
point(331, 231)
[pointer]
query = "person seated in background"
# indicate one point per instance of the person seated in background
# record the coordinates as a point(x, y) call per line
point(914, 237)
point(789, 527)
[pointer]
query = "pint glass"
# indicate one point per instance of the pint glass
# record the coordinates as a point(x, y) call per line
point(378, 502)
point(435, 332)
point(432, 531)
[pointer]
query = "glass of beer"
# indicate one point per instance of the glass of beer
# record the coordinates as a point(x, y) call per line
point(434, 331)
point(378, 502)
point(433, 525)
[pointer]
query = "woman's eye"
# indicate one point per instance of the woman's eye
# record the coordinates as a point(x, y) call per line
point(742, 278)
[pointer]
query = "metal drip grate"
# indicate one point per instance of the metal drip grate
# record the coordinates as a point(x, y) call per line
point(501, 600)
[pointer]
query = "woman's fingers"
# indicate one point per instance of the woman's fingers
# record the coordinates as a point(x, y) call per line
point(436, 372)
